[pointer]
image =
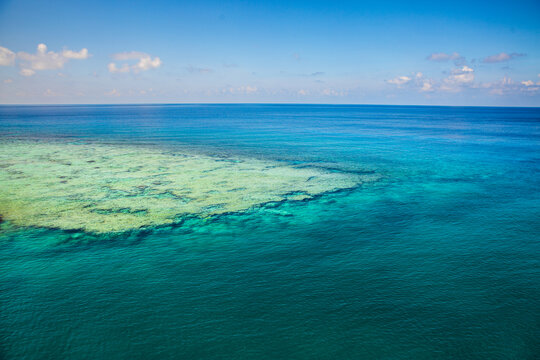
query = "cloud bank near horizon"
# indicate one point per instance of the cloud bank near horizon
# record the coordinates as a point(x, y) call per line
point(459, 78)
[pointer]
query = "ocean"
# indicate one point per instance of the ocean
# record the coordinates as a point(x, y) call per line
point(269, 231)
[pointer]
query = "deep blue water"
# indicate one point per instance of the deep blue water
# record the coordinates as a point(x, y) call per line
point(438, 259)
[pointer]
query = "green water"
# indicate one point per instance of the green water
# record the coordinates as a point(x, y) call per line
point(435, 257)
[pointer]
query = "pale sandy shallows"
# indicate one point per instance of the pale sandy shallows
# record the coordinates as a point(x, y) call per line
point(111, 188)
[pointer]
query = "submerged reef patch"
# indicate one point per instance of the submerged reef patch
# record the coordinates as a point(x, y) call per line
point(113, 188)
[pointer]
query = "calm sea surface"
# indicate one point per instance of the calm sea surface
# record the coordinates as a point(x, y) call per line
point(439, 258)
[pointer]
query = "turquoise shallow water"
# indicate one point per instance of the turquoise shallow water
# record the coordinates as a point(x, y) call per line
point(438, 258)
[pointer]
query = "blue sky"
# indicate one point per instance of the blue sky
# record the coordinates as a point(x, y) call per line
point(369, 52)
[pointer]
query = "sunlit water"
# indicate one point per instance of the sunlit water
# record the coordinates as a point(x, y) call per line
point(435, 253)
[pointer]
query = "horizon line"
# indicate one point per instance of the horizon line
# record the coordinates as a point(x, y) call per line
point(268, 103)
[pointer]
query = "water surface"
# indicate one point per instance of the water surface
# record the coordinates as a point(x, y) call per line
point(436, 256)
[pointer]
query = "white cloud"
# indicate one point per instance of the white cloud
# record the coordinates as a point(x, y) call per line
point(145, 62)
point(501, 57)
point(193, 69)
point(47, 60)
point(507, 86)
point(27, 72)
point(302, 92)
point(332, 92)
point(113, 92)
point(499, 87)
point(460, 78)
point(247, 89)
point(250, 89)
point(463, 78)
point(241, 90)
point(7, 57)
point(416, 81)
point(427, 86)
point(80, 55)
point(114, 69)
point(444, 56)
point(400, 80)
point(42, 60)
point(49, 92)
point(465, 75)
point(8, 81)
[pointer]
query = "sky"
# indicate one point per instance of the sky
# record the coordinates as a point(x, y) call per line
point(459, 53)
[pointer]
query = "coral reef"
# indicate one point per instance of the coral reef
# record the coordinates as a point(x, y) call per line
point(112, 188)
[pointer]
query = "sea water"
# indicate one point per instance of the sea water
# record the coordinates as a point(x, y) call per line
point(376, 232)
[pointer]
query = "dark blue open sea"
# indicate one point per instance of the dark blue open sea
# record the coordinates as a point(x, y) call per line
point(437, 258)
